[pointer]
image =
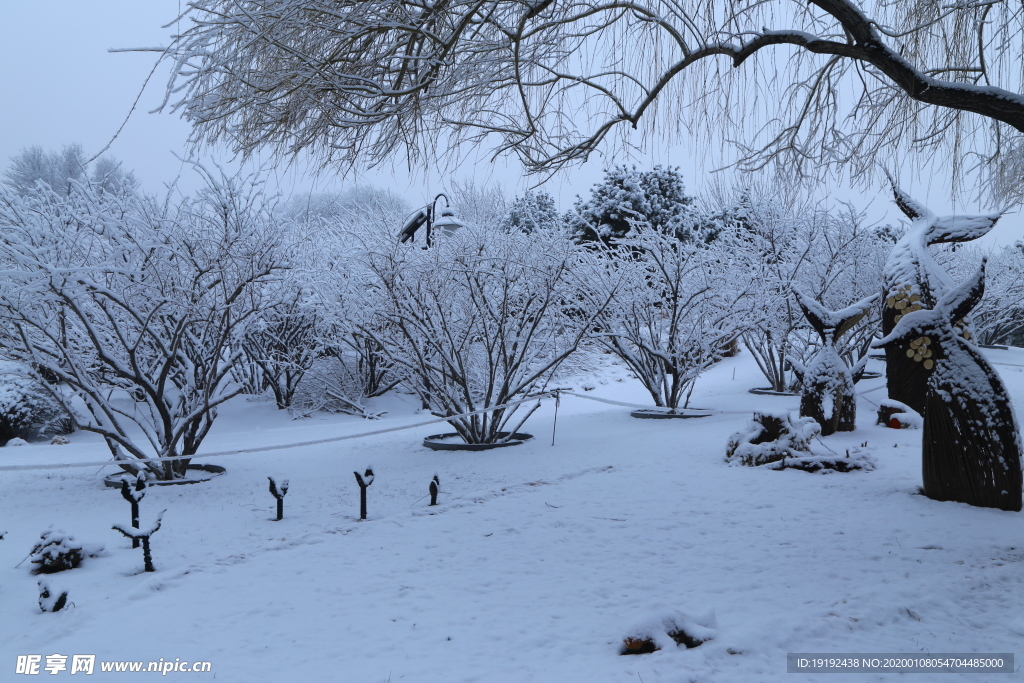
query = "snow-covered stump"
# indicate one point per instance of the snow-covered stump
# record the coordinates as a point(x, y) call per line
point(434, 483)
point(913, 281)
point(971, 447)
point(134, 497)
point(828, 394)
point(364, 482)
point(779, 441)
point(143, 535)
point(279, 492)
point(771, 438)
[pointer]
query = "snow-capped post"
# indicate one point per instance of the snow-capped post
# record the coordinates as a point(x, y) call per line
point(47, 601)
point(913, 281)
point(827, 381)
point(279, 493)
point(434, 483)
point(143, 535)
point(971, 447)
point(134, 497)
point(364, 482)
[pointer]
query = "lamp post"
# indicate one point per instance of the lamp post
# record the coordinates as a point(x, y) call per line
point(446, 221)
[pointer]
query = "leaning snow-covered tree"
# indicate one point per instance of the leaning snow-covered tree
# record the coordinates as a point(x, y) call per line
point(482, 319)
point(131, 304)
point(675, 312)
point(807, 84)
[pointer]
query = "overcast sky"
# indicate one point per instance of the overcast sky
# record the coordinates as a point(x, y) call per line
point(59, 84)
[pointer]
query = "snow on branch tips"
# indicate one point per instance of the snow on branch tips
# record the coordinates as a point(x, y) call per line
point(851, 82)
point(482, 319)
point(673, 314)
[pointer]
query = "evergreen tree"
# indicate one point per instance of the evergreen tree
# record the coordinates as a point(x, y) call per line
point(627, 196)
point(533, 211)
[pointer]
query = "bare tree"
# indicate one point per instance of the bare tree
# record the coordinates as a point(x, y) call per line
point(282, 342)
point(795, 243)
point(131, 306)
point(678, 306)
point(483, 318)
point(844, 82)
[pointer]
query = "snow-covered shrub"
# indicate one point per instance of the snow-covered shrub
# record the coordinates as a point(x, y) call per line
point(628, 196)
point(282, 341)
point(534, 211)
point(132, 303)
point(482, 319)
point(673, 314)
point(51, 600)
point(349, 366)
point(779, 441)
point(27, 407)
point(771, 437)
point(999, 318)
point(57, 551)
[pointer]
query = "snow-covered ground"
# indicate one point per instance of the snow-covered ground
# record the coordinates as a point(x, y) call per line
point(538, 561)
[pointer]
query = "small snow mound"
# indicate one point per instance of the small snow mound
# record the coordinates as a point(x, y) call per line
point(667, 629)
point(899, 415)
point(60, 440)
point(17, 441)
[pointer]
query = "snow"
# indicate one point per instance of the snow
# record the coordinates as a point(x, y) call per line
point(536, 564)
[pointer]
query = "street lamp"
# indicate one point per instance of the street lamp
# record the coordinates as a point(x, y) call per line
point(446, 221)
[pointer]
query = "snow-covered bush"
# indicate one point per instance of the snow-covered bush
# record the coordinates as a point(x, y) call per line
point(535, 210)
point(628, 196)
point(60, 171)
point(482, 319)
point(999, 318)
point(132, 303)
point(771, 437)
point(779, 441)
point(349, 366)
point(27, 408)
point(673, 313)
point(57, 551)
